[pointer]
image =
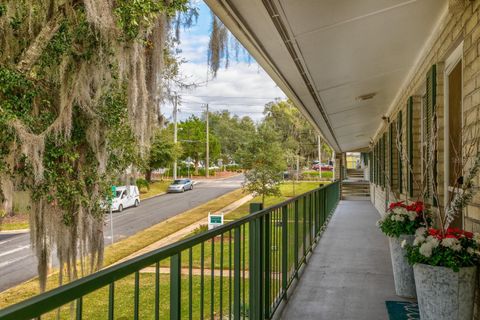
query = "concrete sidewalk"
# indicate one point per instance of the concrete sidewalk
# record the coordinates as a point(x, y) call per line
point(349, 275)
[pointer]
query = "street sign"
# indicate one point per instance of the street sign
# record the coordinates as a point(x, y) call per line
point(215, 220)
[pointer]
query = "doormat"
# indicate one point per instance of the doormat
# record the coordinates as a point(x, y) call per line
point(402, 310)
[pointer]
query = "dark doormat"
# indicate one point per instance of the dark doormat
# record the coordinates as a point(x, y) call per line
point(402, 310)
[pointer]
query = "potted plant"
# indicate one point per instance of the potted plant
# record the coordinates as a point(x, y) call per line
point(445, 265)
point(400, 223)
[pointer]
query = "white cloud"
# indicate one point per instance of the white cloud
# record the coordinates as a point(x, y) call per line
point(242, 88)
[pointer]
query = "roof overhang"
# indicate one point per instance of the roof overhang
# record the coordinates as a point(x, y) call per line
point(329, 56)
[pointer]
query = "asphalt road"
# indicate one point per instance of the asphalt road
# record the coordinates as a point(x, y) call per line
point(18, 263)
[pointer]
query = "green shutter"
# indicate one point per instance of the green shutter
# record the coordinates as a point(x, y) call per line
point(400, 152)
point(384, 159)
point(390, 151)
point(429, 118)
point(370, 165)
point(410, 146)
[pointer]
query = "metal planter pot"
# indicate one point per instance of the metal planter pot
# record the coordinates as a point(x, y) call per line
point(444, 294)
point(402, 271)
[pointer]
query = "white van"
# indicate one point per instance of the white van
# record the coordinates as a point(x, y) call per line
point(126, 197)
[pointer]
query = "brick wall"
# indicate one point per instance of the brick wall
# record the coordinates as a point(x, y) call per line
point(454, 28)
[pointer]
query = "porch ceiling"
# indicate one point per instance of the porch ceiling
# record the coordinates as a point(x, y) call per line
point(325, 53)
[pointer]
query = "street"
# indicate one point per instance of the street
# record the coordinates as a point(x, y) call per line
point(18, 263)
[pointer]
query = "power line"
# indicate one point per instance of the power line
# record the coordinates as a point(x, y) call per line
point(233, 97)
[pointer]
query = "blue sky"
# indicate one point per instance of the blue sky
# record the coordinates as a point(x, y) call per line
point(243, 88)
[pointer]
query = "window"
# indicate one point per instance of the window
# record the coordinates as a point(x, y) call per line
point(453, 127)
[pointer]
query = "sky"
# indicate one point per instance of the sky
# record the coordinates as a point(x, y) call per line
point(243, 88)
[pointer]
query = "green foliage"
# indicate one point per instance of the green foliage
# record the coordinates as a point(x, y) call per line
point(193, 137)
point(401, 219)
point(296, 134)
point(135, 15)
point(3, 9)
point(142, 184)
point(233, 133)
point(163, 151)
point(430, 248)
point(264, 159)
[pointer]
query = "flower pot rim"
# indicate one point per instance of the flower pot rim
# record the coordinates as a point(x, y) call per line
point(418, 264)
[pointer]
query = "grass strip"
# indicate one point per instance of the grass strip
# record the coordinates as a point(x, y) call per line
point(128, 246)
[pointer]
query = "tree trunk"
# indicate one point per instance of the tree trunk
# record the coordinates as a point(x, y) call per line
point(7, 190)
point(148, 175)
point(32, 53)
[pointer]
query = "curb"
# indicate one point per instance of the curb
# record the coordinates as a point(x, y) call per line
point(15, 231)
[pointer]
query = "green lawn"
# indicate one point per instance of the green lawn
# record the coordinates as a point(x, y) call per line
point(155, 188)
point(288, 190)
point(95, 305)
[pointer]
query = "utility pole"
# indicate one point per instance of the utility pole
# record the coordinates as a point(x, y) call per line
point(207, 164)
point(320, 157)
point(175, 128)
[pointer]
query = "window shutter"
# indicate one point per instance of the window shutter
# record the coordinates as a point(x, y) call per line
point(400, 151)
point(390, 151)
point(370, 165)
point(429, 118)
point(410, 146)
point(384, 159)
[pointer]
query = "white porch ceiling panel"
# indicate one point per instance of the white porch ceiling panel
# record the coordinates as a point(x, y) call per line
point(325, 53)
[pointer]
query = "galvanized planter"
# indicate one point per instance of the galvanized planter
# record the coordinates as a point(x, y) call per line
point(402, 271)
point(444, 294)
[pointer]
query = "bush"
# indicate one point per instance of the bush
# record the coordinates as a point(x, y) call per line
point(143, 185)
point(309, 175)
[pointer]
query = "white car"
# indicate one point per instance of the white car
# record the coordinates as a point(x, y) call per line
point(125, 198)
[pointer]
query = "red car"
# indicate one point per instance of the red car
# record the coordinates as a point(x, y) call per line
point(324, 166)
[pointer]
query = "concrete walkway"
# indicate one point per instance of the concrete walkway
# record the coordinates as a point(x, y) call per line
point(349, 276)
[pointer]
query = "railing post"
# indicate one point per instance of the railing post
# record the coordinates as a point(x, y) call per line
point(236, 273)
point(295, 246)
point(284, 250)
point(175, 286)
point(255, 264)
point(267, 263)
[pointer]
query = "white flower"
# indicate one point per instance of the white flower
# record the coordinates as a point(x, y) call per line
point(434, 242)
point(426, 249)
point(412, 215)
point(404, 243)
point(470, 250)
point(418, 240)
point(393, 217)
point(399, 218)
point(399, 210)
point(451, 243)
point(420, 231)
point(476, 237)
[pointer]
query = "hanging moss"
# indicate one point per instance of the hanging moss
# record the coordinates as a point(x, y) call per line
point(80, 88)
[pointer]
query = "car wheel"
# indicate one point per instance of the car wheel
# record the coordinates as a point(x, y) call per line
point(191, 187)
point(137, 203)
point(120, 208)
point(183, 189)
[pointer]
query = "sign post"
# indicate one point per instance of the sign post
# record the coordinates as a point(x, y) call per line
point(215, 220)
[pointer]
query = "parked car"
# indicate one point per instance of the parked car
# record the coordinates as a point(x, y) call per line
point(180, 185)
point(125, 198)
point(324, 166)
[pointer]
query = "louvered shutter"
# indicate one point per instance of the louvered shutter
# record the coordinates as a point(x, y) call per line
point(390, 154)
point(429, 118)
point(400, 151)
point(410, 164)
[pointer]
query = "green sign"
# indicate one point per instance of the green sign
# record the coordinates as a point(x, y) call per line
point(216, 219)
point(114, 193)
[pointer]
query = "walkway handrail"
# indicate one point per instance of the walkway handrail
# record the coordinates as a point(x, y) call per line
point(265, 249)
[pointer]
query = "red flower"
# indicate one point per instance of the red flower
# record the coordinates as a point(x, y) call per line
point(396, 204)
point(433, 232)
point(467, 234)
point(451, 236)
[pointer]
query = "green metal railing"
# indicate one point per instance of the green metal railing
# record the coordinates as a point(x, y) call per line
point(241, 270)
